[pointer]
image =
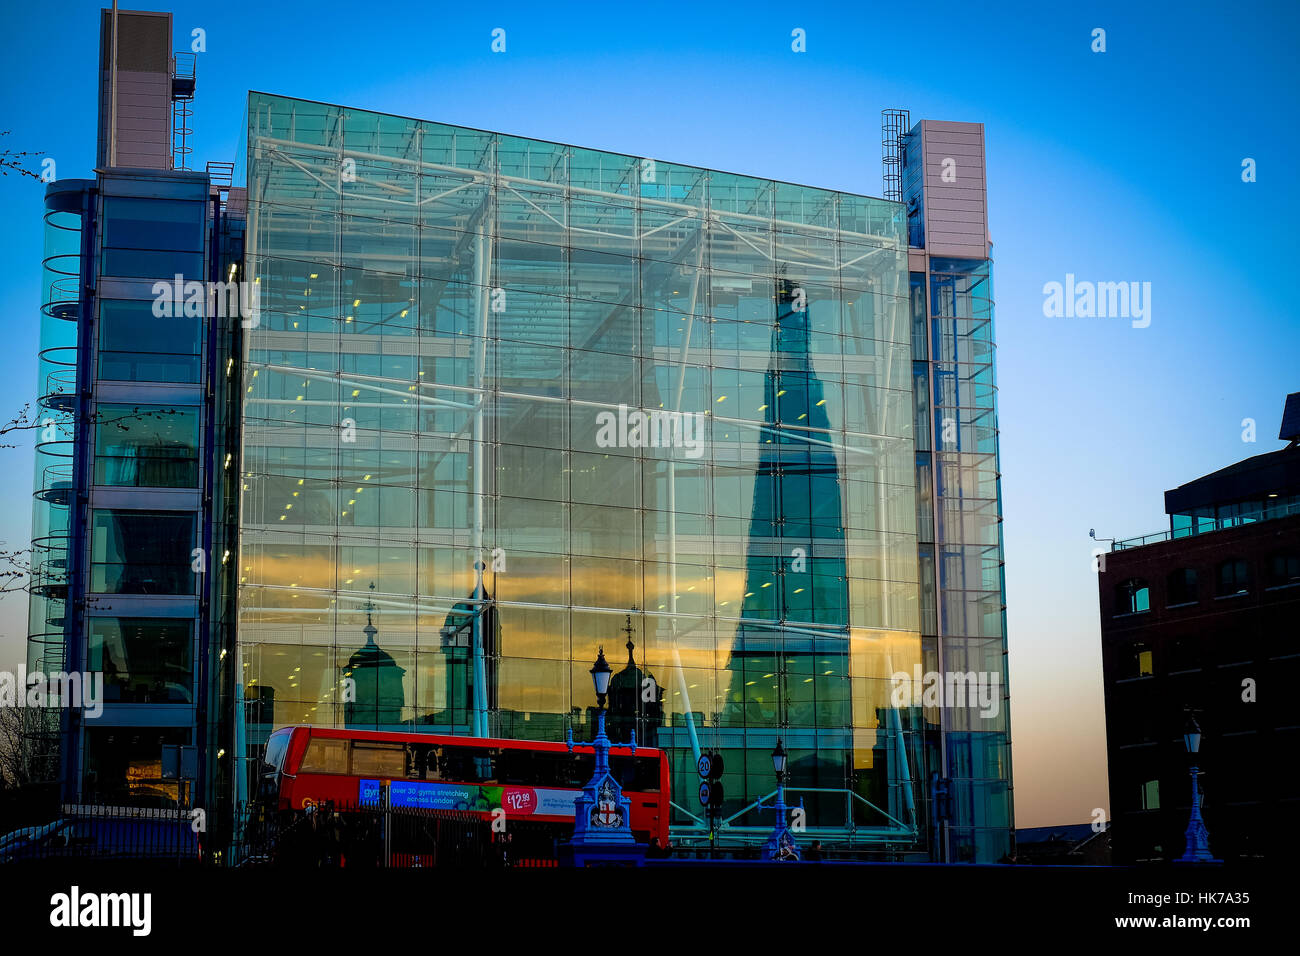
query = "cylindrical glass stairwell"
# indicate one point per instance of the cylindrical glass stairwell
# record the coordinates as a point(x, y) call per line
point(53, 417)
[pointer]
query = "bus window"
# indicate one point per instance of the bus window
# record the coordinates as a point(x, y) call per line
point(577, 769)
point(378, 759)
point(325, 755)
point(276, 748)
point(272, 765)
point(421, 762)
point(467, 764)
point(635, 773)
point(524, 767)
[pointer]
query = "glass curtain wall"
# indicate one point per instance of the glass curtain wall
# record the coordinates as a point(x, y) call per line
point(968, 563)
point(505, 394)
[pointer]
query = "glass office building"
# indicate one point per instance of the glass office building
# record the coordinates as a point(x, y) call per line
point(959, 501)
point(505, 395)
point(494, 405)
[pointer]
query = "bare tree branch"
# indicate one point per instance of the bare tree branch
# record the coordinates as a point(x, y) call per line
point(24, 421)
point(9, 159)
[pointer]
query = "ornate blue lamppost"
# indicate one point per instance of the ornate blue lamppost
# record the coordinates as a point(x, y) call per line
point(781, 844)
point(1198, 838)
point(602, 831)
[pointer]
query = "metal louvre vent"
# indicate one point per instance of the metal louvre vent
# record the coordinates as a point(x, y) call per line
point(144, 42)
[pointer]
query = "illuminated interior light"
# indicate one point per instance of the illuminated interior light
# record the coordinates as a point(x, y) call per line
point(822, 402)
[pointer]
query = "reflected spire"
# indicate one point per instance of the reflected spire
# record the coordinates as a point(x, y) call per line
point(796, 586)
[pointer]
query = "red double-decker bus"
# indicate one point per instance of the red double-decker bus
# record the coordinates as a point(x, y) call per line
point(528, 779)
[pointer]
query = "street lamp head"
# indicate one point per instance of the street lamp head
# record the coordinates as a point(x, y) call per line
point(778, 759)
point(1192, 736)
point(600, 675)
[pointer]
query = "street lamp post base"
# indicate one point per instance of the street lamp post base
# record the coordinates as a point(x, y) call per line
point(602, 854)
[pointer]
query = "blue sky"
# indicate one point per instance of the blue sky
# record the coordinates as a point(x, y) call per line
point(1115, 166)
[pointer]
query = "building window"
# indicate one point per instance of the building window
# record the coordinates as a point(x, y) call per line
point(124, 765)
point(153, 238)
point(916, 288)
point(1180, 586)
point(144, 660)
point(1150, 795)
point(1132, 596)
point(1283, 569)
point(1233, 578)
point(147, 446)
point(1142, 660)
point(137, 346)
point(141, 552)
point(1184, 655)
